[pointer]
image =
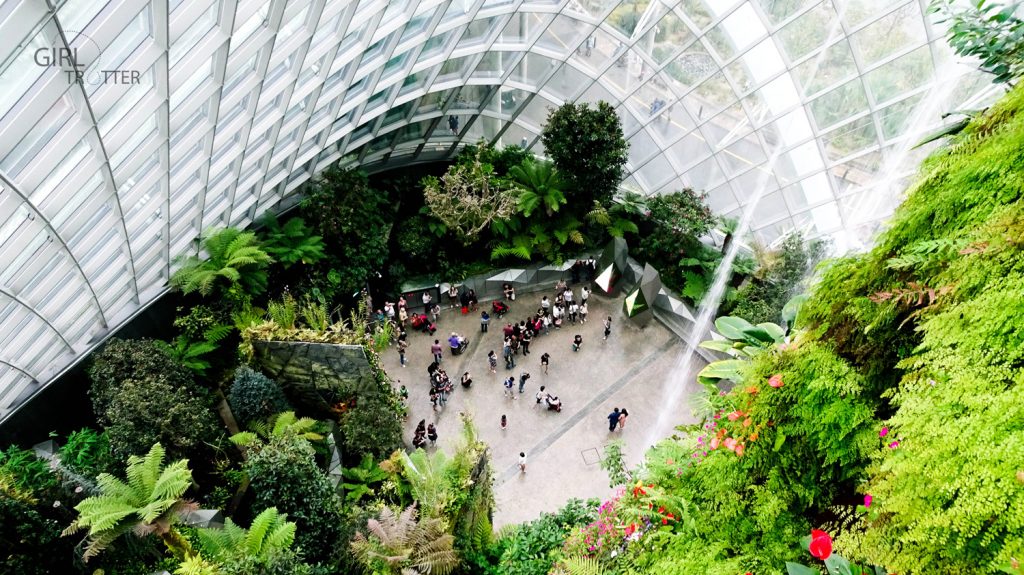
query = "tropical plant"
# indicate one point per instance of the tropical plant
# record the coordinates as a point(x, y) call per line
point(190, 353)
point(989, 31)
point(255, 397)
point(532, 548)
point(523, 239)
point(281, 425)
point(26, 471)
point(727, 226)
point(587, 145)
point(149, 502)
point(468, 197)
point(269, 533)
point(615, 464)
point(540, 187)
point(399, 544)
point(291, 243)
point(778, 278)
point(359, 481)
point(87, 452)
point(614, 221)
point(742, 341)
point(235, 264)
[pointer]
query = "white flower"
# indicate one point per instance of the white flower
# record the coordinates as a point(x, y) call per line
point(56, 504)
point(78, 489)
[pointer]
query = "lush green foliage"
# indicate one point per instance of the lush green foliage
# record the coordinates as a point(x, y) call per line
point(87, 452)
point(989, 31)
point(30, 543)
point(777, 279)
point(26, 471)
point(681, 213)
point(270, 534)
point(284, 475)
point(587, 145)
point(255, 397)
point(150, 501)
point(354, 221)
point(292, 243)
point(533, 548)
point(235, 266)
point(399, 544)
point(141, 397)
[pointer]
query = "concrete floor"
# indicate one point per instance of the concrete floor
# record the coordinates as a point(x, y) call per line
point(633, 369)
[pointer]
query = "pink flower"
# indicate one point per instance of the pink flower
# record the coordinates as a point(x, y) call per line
point(883, 432)
point(730, 443)
point(775, 380)
point(867, 500)
point(739, 450)
point(894, 445)
point(714, 443)
point(735, 415)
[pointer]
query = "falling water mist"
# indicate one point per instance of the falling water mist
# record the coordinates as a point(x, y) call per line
point(674, 386)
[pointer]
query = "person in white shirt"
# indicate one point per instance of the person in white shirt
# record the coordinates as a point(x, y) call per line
point(522, 462)
point(584, 294)
point(567, 295)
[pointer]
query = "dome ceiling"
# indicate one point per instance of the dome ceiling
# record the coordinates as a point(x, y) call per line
point(127, 127)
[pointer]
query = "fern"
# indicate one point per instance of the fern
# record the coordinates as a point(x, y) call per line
point(506, 251)
point(582, 566)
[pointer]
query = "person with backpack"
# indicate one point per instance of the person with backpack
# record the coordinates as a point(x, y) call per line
point(577, 341)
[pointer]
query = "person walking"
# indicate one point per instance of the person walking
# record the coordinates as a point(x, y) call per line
point(522, 462)
point(509, 384)
point(577, 342)
point(574, 311)
point(523, 376)
point(485, 319)
point(403, 316)
point(623, 415)
point(432, 434)
point(437, 351)
point(544, 360)
point(402, 344)
point(541, 395)
point(607, 327)
point(584, 294)
point(504, 421)
point(583, 312)
point(492, 361)
point(436, 312)
point(613, 419)
point(545, 305)
point(426, 302)
point(527, 338)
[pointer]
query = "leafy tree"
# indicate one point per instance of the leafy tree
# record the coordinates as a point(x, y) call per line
point(354, 221)
point(235, 264)
point(141, 396)
point(398, 544)
point(291, 243)
point(683, 213)
point(284, 475)
point(255, 397)
point(503, 159)
point(468, 197)
point(148, 502)
point(587, 145)
point(989, 31)
point(540, 187)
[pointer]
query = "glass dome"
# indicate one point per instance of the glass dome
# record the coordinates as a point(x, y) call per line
point(128, 127)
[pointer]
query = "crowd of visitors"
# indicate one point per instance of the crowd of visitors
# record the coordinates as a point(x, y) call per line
point(565, 308)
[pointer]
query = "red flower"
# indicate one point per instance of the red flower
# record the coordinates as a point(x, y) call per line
point(664, 521)
point(775, 380)
point(821, 544)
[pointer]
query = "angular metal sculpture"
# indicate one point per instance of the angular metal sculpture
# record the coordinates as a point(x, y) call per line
point(212, 518)
point(638, 304)
point(611, 265)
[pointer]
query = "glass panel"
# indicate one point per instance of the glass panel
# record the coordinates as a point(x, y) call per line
point(625, 17)
point(779, 10)
point(837, 64)
point(897, 31)
point(564, 35)
point(839, 104)
point(895, 118)
point(809, 31)
point(904, 74)
point(667, 38)
point(852, 137)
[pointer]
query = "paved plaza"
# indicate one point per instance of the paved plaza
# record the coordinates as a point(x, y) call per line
point(631, 370)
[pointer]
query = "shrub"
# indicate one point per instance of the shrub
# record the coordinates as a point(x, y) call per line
point(283, 474)
point(532, 548)
point(141, 397)
point(255, 397)
point(30, 544)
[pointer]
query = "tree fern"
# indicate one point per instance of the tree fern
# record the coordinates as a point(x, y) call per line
point(292, 243)
point(149, 502)
point(234, 261)
point(404, 545)
point(269, 533)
